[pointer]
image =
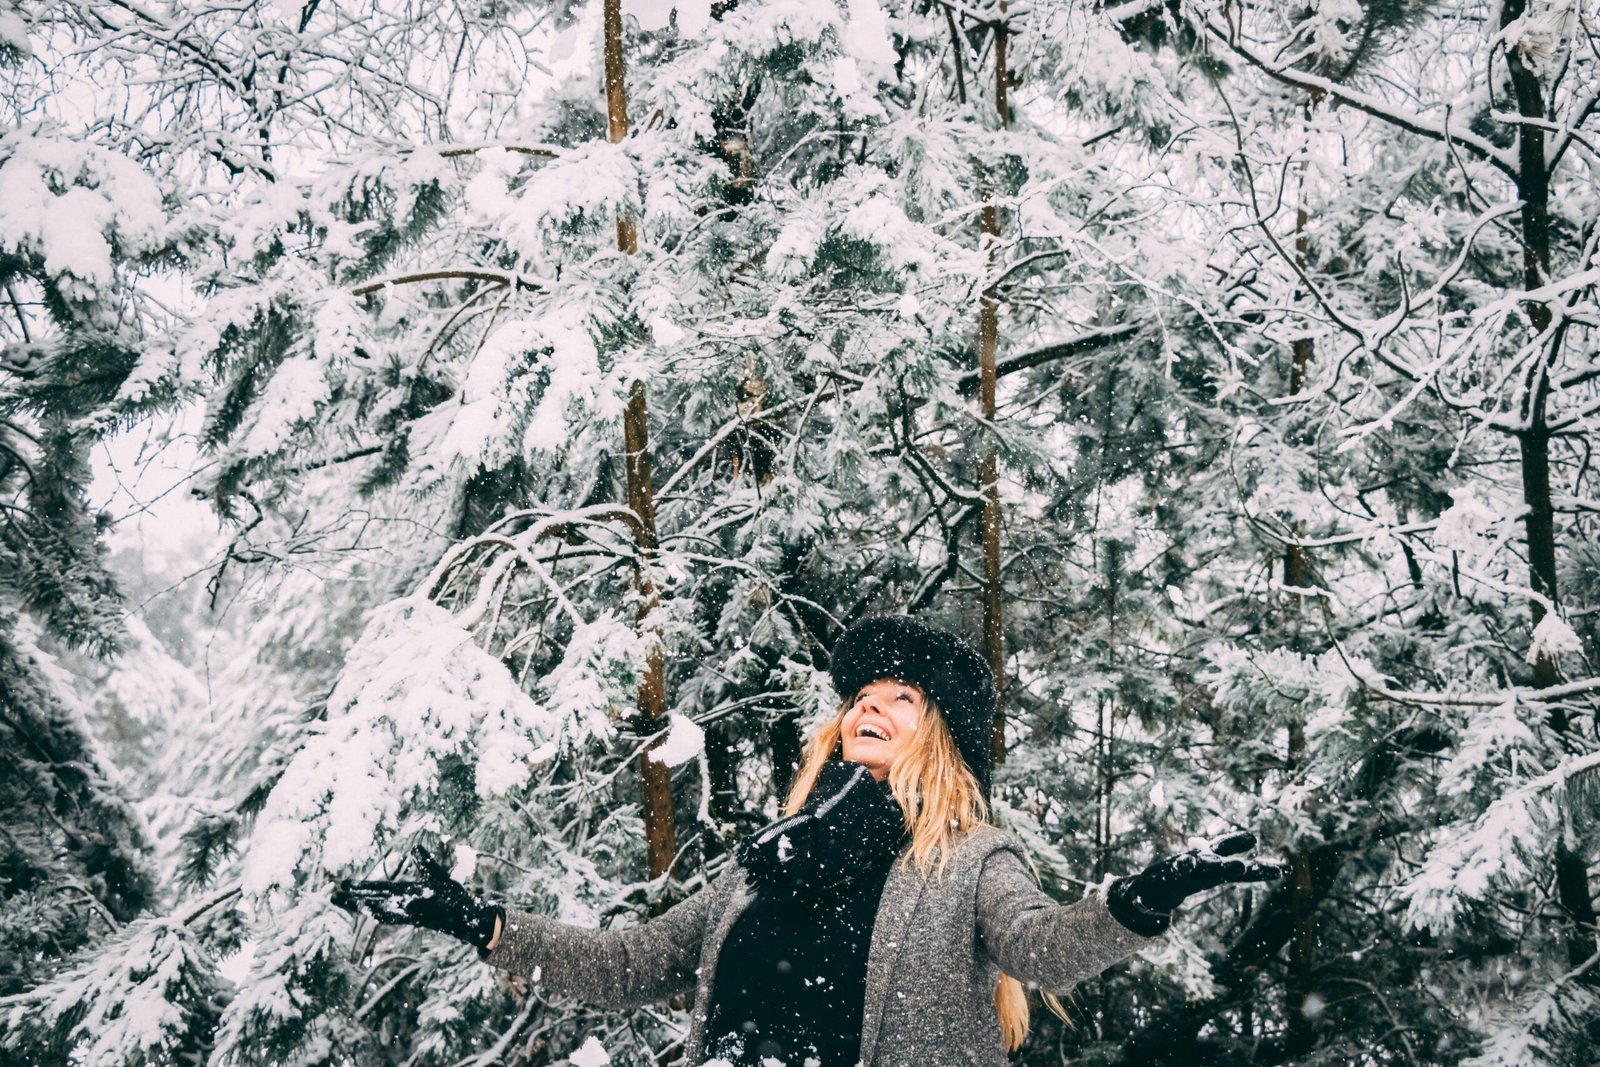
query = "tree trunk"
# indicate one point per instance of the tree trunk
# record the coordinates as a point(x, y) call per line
point(989, 473)
point(1300, 979)
point(1533, 186)
point(655, 780)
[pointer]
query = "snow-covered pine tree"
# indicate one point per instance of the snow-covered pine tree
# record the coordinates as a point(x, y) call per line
point(1397, 308)
point(821, 446)
point(84, 236)
point(103, 215)
point(1260, 468)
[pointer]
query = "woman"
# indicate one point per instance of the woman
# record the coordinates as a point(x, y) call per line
point(883, 920)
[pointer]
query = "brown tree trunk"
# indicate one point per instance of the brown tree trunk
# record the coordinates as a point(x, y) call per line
point(1533, 186)
point(655, 780)
point(1300, 979)
point(989, 473)
point(1106, 709)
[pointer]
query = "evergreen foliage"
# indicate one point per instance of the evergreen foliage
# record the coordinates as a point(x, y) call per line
point(73, 847)
point(1296, 400)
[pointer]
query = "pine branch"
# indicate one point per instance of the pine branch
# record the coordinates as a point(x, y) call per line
point(1393, 114)
point(1088, 341)
point(474, 274)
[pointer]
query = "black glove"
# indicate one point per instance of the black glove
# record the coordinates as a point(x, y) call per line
point(437, 902)
point(848, 824)
point(1144, 902)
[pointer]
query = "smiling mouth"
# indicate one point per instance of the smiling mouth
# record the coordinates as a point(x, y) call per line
point(868, 729)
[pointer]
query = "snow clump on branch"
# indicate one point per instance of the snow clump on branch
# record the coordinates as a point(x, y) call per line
point(417, 692)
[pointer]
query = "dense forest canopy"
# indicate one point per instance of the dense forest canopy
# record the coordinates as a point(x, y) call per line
point(471, 424)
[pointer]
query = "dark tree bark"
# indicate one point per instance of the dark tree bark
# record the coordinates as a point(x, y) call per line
point(1533, 187)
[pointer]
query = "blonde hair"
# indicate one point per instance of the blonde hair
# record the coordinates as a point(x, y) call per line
point(942, 800)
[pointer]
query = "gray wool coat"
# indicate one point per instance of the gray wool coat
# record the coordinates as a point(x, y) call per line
point(938, 947)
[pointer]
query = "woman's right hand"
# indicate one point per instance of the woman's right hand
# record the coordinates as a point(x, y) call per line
point(434, 902)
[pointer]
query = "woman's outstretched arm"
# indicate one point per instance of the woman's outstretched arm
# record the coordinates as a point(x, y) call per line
point(607, 968)
point(1039, 941)
point(622, 968)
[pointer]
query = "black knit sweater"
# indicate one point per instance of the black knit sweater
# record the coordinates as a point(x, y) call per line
point(791, 978)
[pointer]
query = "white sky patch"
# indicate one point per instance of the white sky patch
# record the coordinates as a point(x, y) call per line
point(139, 476)
point(652, 14)
point(235, 967)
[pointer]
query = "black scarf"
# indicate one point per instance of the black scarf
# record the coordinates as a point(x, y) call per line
point(791, 978)
point(849, 824)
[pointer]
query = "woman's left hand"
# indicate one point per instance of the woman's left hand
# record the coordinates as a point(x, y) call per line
point(435, 902)
point(1144, 902)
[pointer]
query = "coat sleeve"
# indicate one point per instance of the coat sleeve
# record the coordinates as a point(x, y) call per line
point(1038, 941)
point(623, 968)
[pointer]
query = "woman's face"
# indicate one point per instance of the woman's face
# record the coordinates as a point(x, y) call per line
point(880, 723)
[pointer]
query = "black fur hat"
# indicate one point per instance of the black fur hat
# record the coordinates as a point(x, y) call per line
point(946, 667)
